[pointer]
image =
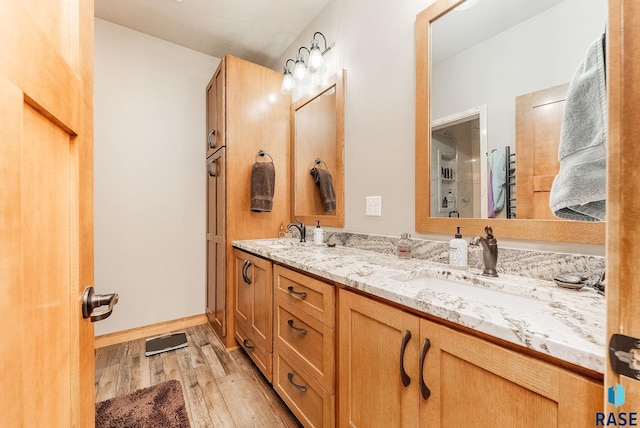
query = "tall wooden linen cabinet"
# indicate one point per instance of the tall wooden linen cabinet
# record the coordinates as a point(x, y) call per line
point(246, 113)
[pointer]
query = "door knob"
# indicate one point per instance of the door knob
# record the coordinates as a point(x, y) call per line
point(91, 301)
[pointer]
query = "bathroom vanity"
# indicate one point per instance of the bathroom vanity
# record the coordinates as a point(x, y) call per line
point(363, 338)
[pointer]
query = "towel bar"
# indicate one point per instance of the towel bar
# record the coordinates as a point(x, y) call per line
point(262, 153)
point(319, 161)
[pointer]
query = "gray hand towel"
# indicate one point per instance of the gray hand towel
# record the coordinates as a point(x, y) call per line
point(263, 178)
point(324, 181)
point(579, 190)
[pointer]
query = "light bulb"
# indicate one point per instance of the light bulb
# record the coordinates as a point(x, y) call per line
point(316, 62)
point(287, 82)
point(300, 71)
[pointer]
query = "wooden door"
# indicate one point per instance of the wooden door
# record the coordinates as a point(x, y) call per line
point(370, 387)
point(479, 384)
point(216, 242)
point(623, 181)
point(538, 122)
point(46, 220)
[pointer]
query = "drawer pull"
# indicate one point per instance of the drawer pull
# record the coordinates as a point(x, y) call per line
point(300, 388)
point(424, 389)
point(298, 329)
point(246, 343)
point(300, 294)
point(406, 380)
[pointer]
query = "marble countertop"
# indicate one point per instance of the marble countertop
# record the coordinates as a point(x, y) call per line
point(566, 324)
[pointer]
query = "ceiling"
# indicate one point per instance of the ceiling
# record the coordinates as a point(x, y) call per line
point(255, 30)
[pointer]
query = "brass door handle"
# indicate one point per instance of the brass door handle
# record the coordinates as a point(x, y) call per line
point(91, 301)
point(406, 380)
point(424, 389)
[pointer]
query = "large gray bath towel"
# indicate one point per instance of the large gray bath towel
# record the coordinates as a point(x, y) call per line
point(579, 190)
point(263, 179)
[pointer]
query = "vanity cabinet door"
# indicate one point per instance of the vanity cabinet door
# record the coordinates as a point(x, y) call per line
point(253, 311)
point(370, 339)
point(480, 384)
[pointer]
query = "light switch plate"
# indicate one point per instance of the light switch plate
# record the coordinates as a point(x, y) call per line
point(374, 206)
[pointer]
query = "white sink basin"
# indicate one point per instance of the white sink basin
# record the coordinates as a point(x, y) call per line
point(478, 293)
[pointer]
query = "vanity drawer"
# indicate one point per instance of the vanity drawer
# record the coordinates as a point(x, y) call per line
point(314, 297)
point(311, 403)
point(260, 356)
point(308, 341)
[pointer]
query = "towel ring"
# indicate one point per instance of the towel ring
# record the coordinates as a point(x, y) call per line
point(319, 161)
point(262, 153)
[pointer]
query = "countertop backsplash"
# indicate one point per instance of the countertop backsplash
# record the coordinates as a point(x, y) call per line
point(543, 265)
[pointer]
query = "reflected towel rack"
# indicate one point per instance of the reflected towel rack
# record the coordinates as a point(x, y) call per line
point(319, 161)
point(510, 185)
point(262, 153)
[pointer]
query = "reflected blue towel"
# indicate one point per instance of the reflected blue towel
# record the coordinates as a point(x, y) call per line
point(579, 190)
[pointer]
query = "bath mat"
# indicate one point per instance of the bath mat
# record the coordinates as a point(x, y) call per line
point(160, 405)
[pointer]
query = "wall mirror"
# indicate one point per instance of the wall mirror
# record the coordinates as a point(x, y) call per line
point(317, 130)
point(476, 60)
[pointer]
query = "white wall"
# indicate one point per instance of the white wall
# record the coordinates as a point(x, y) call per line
point(149, 176)
point(375, 43)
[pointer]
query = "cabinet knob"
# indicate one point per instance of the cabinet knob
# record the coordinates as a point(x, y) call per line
point(247, 344)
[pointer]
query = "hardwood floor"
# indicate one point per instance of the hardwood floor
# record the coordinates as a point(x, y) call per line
point(222, 389)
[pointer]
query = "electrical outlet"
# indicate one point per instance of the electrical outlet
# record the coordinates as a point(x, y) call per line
point(374, 206)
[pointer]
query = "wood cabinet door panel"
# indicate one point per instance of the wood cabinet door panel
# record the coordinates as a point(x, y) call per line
point(370, 389)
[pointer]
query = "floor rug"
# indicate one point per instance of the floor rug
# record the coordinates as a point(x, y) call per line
point(160, 405)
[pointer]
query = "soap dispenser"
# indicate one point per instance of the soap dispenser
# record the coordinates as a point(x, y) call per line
point(318, 234)
point(458, 253)
point(404, 246)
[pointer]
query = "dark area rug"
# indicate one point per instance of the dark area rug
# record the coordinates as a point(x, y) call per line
point(160, 405)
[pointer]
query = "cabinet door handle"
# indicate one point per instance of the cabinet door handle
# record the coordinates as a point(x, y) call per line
point(424, 389)
point(301, 388)
point(210, 142)
point(300, 294)
point(298, 329)
point(212, 172)
point(406, 380)
point(245, 272)
point(246, 343)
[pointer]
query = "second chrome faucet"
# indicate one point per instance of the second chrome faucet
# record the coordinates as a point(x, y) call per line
point(489, 251)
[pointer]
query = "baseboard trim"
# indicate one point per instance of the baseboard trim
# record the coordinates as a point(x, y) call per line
point(148, 330)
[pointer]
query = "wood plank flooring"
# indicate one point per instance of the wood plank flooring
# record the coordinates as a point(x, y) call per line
point(222, 389)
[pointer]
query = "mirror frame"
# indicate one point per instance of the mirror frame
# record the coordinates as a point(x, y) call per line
point(337, 170)
point(526, 229)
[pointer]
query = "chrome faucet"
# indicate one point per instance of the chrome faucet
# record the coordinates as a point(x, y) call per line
point(301, 228)
point(489, 251)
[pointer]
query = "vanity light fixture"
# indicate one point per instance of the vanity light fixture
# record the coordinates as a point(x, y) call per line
point(300, 69)
point(314, 68)
point(288, 84)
